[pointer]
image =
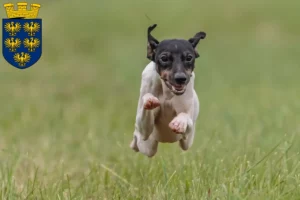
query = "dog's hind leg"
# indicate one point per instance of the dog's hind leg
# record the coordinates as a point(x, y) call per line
point(133, 144)
point(147, 147)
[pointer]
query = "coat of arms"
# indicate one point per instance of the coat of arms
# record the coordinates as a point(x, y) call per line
point(22, 35)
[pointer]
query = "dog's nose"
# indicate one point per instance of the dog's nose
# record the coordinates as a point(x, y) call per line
point(180, 78)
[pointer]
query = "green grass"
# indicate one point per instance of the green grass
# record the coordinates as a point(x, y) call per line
point(66, 123)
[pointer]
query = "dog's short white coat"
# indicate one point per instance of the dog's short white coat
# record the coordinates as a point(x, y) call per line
point(177, 113)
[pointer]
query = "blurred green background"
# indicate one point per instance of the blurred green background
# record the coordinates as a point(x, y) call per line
point(66, 122)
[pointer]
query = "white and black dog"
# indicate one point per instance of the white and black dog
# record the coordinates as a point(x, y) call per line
point(168, 105)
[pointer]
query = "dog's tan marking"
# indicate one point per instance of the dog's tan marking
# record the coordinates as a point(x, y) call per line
point(164, 74)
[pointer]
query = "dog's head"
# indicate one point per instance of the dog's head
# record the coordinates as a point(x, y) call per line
point(174, 58)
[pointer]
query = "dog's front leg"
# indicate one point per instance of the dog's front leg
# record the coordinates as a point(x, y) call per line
point(145, 117)
point(144, 126)
point(148, 106)
point(148, 103)
point(183, 124)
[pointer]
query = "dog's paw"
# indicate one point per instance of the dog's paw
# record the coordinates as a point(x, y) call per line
point(178, 125)
point(151, 102)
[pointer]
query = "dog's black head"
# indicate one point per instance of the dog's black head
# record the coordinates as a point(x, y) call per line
point(174, 58)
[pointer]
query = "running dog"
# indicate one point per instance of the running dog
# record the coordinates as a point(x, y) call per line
point(168, 105)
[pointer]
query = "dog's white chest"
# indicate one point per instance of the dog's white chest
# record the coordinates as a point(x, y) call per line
point(165, 115)
point(166, 112)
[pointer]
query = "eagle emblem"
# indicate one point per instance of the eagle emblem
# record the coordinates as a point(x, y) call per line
point(31, 28)
point(12, 44)
point(12, 28)
point(31, 44)
point(22, 58)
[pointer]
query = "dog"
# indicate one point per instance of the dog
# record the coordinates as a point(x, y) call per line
point(168, 105)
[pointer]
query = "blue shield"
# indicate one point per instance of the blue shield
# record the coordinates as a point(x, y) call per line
point(22, 41)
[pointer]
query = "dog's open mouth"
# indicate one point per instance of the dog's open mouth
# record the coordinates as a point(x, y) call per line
point(176, 89)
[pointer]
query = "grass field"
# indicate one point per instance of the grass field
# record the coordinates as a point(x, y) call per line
point(66, 122)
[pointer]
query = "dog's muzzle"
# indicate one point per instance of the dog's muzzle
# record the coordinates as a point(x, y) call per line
point(176, 89)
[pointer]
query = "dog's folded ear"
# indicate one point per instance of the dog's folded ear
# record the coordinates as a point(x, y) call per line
point(152, 43)
point(195, 40)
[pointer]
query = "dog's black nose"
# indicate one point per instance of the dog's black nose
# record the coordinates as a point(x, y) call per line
point(180, 78)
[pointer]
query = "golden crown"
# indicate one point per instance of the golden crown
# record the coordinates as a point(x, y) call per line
point(22, 11)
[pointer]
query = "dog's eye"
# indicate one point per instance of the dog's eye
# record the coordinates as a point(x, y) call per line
point(164, 58)
point(189, 58)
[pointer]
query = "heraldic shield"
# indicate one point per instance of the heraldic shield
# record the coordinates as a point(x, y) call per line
point(22, 38)
point(22, 41)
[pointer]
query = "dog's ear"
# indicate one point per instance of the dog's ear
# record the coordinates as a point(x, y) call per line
point(152, 43)
point(195, 40)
